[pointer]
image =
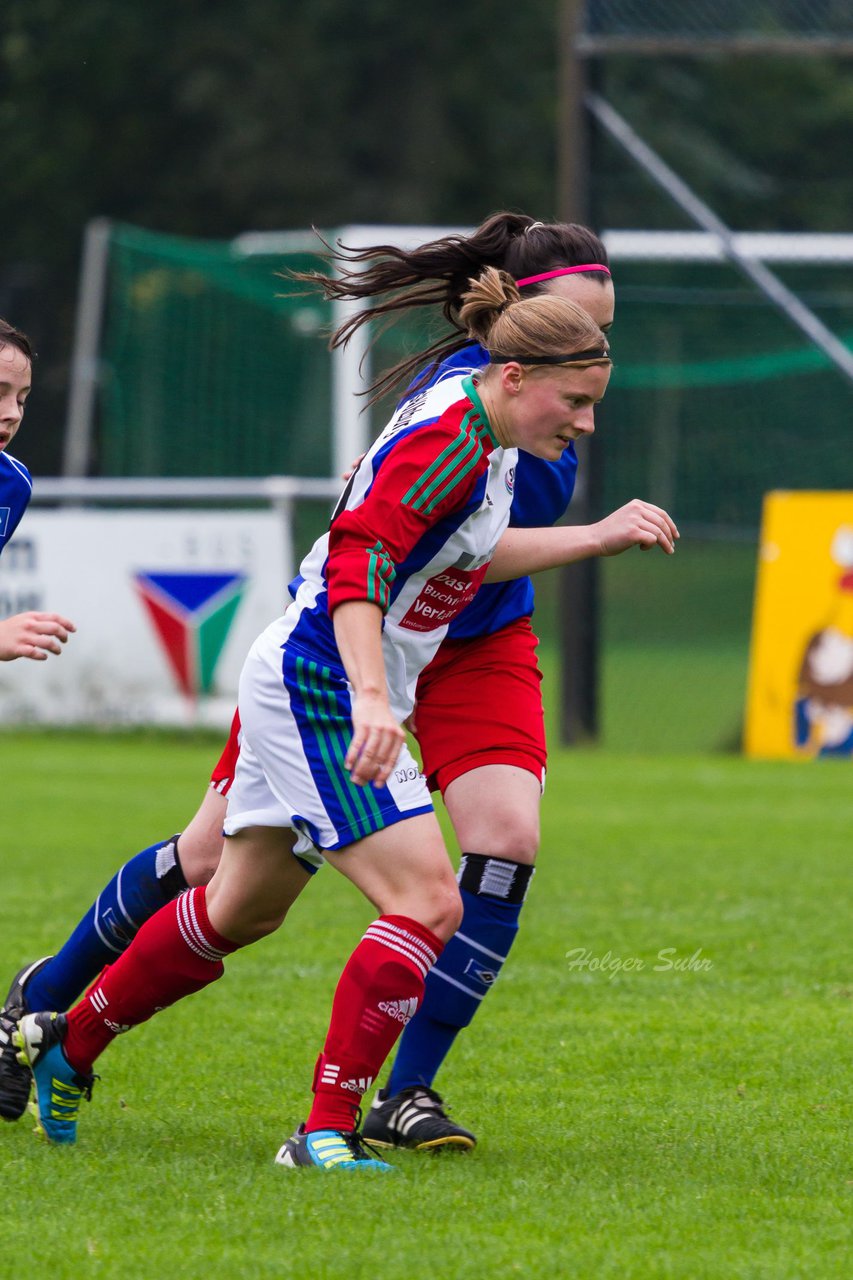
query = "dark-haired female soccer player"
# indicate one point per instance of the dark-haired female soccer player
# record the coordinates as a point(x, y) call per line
point(33, 634)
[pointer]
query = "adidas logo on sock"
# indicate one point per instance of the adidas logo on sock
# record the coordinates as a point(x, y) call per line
point(400, 1010)
point(118, 1027)
point(359, 1086)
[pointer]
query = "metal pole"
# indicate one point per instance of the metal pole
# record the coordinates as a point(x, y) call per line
point(350, 371)
point(351, 429)
point(578, 587)
point(769, 284)
point(572, 139)
point(283, 508)
point(87, 338)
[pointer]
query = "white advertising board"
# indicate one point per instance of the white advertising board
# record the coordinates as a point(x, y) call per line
point(166, 604)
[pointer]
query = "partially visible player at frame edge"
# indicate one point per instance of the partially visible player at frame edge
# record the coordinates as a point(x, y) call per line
point(324, 772)
point(558, 258)
point(33, 634)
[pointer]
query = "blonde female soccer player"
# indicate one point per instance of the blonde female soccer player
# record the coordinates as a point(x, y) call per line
point(479, 723)
point(324, 772)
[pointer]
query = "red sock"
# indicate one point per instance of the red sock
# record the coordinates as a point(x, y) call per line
point(378, 992)
point(177, 951)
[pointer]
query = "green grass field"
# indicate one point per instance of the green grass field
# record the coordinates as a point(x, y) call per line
point(683, 1114)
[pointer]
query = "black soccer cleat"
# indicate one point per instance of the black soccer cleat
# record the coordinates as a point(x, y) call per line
point(414, 1118)
point(15, 1079)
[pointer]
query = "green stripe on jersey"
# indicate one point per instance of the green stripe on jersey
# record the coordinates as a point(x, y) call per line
point(438, 481)
point(453, 482)
point(380, 574)
point(481, 421)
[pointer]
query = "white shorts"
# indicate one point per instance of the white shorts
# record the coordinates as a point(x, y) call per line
point(296, 719)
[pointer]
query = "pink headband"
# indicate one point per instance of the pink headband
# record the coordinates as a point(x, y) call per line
point(563, 271)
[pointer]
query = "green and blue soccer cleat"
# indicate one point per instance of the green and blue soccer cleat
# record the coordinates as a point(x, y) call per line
point(327, 1149)
point(59, 1087)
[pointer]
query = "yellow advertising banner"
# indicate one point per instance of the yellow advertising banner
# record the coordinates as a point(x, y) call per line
point(800, 694)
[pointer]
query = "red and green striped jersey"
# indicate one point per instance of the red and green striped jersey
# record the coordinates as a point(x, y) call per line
point(413, 532)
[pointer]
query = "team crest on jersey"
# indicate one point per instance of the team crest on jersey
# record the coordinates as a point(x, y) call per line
point(5, 512)
point(192, 614)
point(509, 479)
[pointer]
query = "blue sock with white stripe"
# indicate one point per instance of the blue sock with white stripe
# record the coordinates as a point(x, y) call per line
point(142, 886)
point(493, 891)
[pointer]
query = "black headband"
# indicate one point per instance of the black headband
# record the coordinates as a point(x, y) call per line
point(575, 357)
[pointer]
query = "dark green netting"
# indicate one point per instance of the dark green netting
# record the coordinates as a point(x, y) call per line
point(207, 369)
point(716, 18)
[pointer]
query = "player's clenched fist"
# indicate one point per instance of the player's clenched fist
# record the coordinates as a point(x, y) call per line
point(33, 635)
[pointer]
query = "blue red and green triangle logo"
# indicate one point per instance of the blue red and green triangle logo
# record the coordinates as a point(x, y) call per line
point(192, 614)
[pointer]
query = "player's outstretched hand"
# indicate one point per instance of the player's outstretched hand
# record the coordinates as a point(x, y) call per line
point(637, 524)
point(376, 741)
point(33, 635)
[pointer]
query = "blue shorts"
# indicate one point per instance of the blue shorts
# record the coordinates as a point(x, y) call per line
point(296, 718)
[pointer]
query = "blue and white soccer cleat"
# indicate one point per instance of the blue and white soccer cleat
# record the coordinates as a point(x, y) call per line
point(15, 1080)
point(327, 1149)
point(59, 1088)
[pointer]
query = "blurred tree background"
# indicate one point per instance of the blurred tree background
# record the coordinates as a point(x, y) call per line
point(212, 117)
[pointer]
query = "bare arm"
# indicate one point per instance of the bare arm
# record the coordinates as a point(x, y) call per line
point(377, 736)
point(33, 635)
point(637, 524)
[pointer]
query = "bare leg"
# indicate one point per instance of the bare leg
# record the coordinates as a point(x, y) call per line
point(495, 812)
point(405, 870)
point(200, 843)
point(257, 881)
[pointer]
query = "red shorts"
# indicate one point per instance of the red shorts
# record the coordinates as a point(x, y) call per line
point(223, 770)
point(480, 703)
